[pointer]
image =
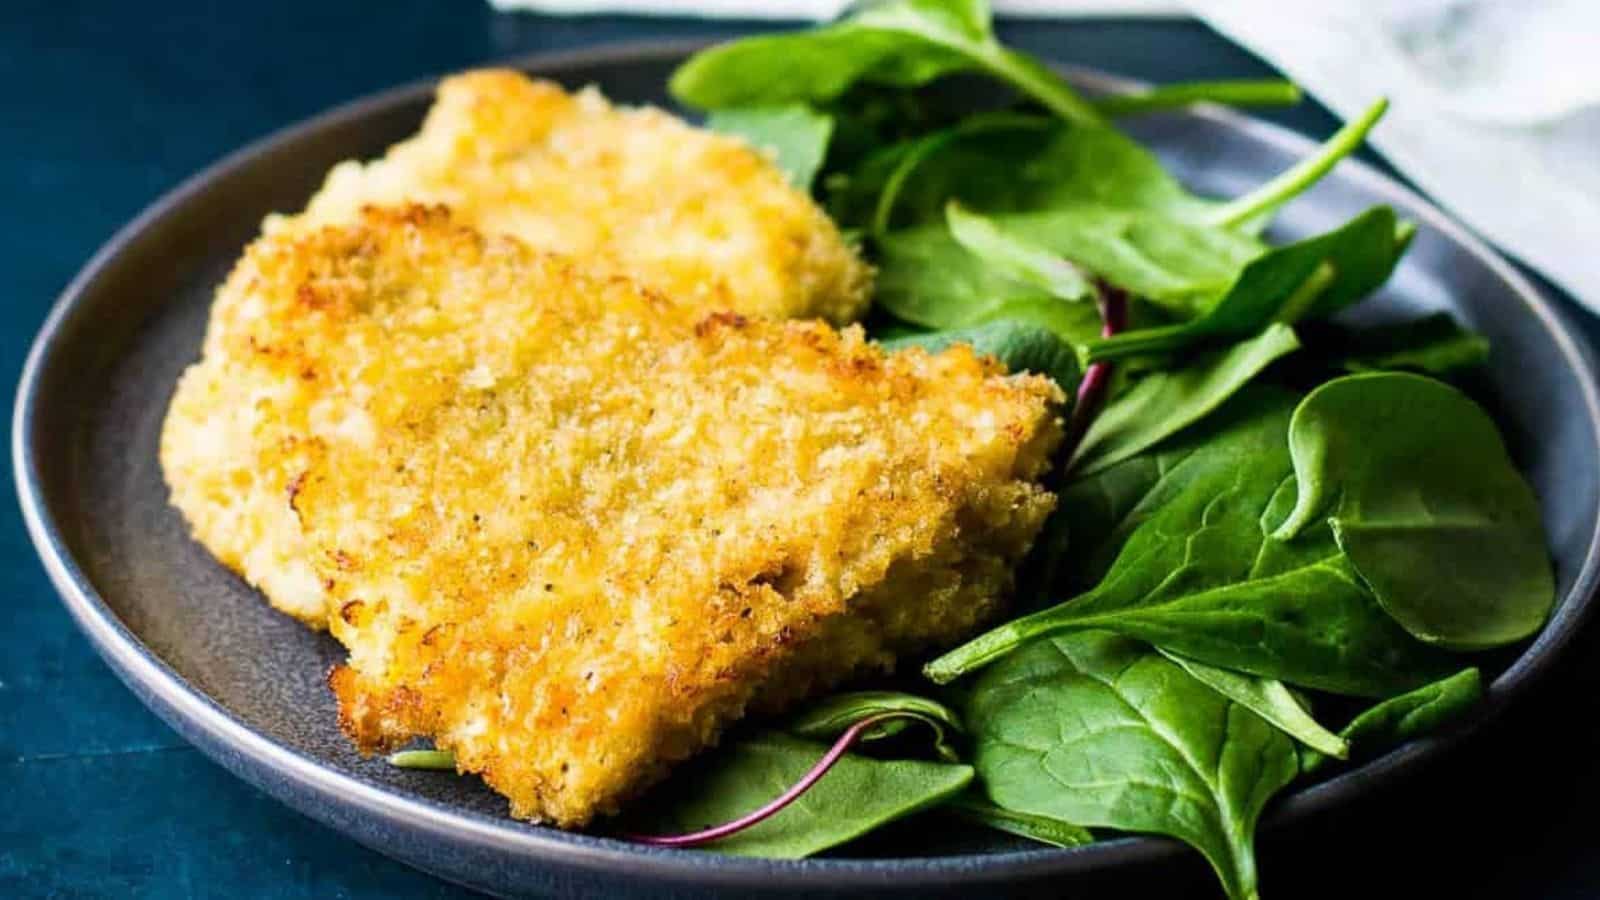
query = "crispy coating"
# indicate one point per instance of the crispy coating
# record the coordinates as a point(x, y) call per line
point(570, 528)
point(697, 215)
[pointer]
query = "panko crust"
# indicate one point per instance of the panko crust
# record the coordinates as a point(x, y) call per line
point(697, 215)
point(569, 529)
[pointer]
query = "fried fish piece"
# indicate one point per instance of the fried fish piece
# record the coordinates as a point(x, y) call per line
point(573, 528)
point(695, 214)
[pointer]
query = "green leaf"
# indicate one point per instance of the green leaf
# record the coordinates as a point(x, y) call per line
point(1309, 278)
point(1243, 92)
point(1021, 261)
point(1433, 345)
point(857, 795)
point(1200, 573)
point(796, 136)
point(1020, 346)
point(1423, 498)
point(1271, 700)
point(1396, 720)
point(998, 163)
point(1172, 263)
point(1097, 729)
point(1165, 402)
point(897, 42)
point(834, 715)
point(1044, 829)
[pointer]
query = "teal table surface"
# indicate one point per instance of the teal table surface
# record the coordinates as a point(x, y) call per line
point(107, 105)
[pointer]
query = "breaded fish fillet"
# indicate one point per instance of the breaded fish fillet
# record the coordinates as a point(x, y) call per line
point(694, 214)
point(573, 528)
point(697, 215)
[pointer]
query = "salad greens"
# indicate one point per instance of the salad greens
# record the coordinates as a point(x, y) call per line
point(1424, 501)
point(1202, 574)
point(1243, 526)
point(1409, 715)
point(1430, 345)
point(1167, 401)
point(834, 715)
point(1044, 829)
point(858, 794)
point(897, 42)
point(1097, 729)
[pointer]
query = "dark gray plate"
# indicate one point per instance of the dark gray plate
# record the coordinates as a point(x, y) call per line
point(246, 685)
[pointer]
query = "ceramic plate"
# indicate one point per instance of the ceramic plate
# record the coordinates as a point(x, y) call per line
point(246, 684)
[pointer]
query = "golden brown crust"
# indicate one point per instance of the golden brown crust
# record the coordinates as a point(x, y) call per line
point(569, 529)
point(697, 215)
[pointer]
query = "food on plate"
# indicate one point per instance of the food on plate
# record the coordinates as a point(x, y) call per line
point(695, 214)
point(571, 528)
point(698, 215)
point(580, 515)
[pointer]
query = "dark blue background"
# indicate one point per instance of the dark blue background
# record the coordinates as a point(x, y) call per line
point(106, 105)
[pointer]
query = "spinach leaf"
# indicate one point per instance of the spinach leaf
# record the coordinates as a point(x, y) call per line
point(1309, 278)
point(972, 807)
point(796, 136)
point(1020, 345)
point(1399, 719)
point(1422, 497)
point(1433, 345)
point(833, 716)
point(1097, 729)
point(858, 795)
point(898, 42)
point(1201, 574)
point(1244, 92)
point(1009, 163)
point(1021, 261)
point(1175, 264)
point(1271, 700)
point(1165, 402)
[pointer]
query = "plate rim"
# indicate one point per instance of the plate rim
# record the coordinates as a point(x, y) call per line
point(254, 756)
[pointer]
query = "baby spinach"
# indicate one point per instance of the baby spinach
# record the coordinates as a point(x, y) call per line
point(1309, 278)
point(1097, 729)
point(1271, 700)
point(1020, 345)
point(1399, 719)
point(972, 807)
point(1165, 402)
point(1423, 498)
point(832, 716)
point(796, 136)
point(898, 42)
point(1432, 345)
point(1008, 162)
point(1019, 260)
point(858, 795)
point(1175, 264)
point(1201, 574)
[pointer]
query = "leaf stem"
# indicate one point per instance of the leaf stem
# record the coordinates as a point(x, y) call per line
point(1097, 377)
point(1300, 176)
point(439, 760)
point(755, 817)
point(1238, 92)
point(1038, 81)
